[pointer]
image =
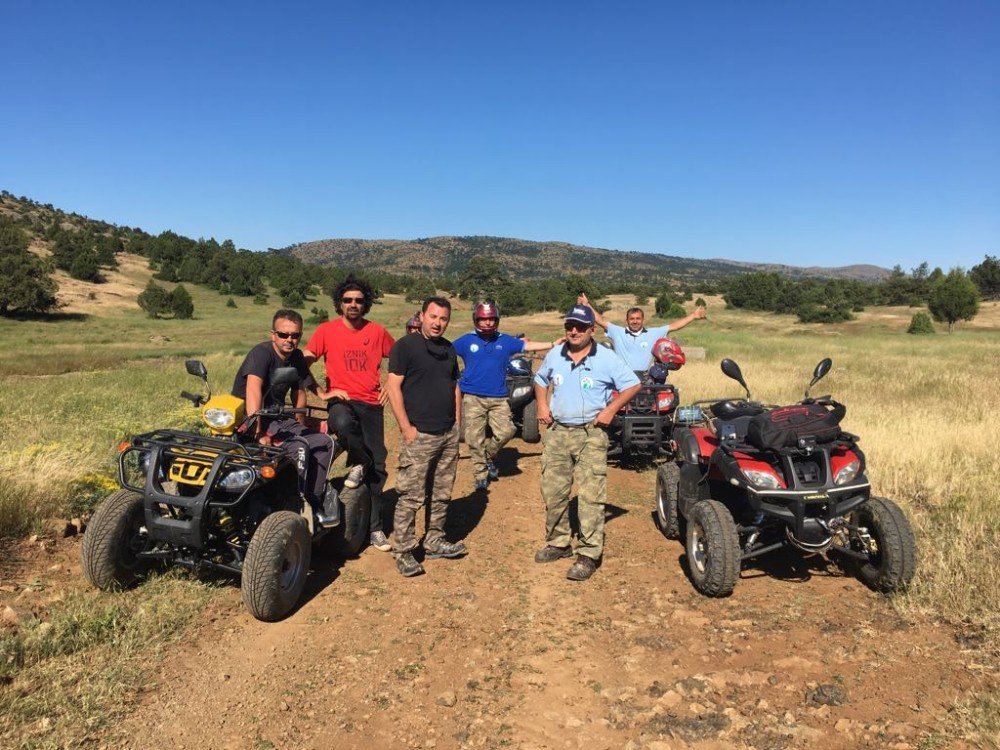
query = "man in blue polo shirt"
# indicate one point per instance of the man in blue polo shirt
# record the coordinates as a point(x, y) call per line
point(634, 343)
point(582, 377)
point(485, 352)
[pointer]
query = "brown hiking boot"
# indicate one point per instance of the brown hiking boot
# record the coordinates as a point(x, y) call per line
point(581, 569)
point(551, 554)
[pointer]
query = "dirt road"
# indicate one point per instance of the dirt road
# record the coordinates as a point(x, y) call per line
point(495, 650)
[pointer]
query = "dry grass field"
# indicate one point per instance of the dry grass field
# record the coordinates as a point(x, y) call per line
point(71, 387)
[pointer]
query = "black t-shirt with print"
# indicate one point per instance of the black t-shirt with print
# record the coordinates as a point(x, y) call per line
point(430, 371)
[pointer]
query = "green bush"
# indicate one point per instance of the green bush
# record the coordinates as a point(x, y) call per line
point(920, 324)
point(230, 302)
point(260, 299)
point(813, 313)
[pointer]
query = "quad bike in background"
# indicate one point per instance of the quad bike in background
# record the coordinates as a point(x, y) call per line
point(220, 501)
point(641, 431)
point(750, 479)
point(521, 397)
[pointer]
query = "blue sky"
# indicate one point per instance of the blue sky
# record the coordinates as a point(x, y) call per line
point(809, 133)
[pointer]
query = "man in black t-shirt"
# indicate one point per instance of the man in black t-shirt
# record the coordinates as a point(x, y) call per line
point(424, 395)
point(313, 452)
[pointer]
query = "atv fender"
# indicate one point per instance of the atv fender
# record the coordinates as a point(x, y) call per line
point(691, 489)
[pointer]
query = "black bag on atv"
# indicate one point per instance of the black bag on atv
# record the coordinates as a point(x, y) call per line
point(784, 426)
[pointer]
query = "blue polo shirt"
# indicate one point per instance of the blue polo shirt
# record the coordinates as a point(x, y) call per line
point(635, 348)
point(485, 362)
point(580, 391)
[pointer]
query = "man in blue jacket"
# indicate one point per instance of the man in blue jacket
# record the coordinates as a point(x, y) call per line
point(485, 353)
point(582, 378)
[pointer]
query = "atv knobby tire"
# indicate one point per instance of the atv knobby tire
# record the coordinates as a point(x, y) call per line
point(113, 537)
point(713, 548)
point(276, 565)
point(529, 423)
point(667, 516)
point(892, 568)
point(348, 539)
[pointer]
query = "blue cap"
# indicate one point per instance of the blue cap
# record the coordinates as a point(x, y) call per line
point(581, 314)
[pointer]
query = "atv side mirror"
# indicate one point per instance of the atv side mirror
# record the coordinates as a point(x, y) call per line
point(285, 376)
point(196, 368)
point(821, 370)
point(732, 370)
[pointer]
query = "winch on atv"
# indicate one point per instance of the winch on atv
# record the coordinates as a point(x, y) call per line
point(750, 478)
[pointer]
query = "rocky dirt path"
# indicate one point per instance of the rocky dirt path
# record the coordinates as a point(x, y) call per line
point(496, 651)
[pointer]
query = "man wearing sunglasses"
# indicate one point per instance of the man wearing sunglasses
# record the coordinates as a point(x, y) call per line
point(311, 450)
point(353, 348)
point(581, 378)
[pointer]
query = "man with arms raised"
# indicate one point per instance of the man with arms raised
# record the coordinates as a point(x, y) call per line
point(311, 450)
point(424, 395)
point(634, 343)
point(485, 353)
point(581, 376)
point(353, 348)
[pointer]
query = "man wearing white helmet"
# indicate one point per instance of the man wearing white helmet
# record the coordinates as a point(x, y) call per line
point(485, 353)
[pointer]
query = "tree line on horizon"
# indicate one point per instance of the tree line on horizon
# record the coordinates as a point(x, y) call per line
point(85, 248)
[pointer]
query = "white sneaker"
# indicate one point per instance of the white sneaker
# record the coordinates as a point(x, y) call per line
point(354, 477)
point(379, 541)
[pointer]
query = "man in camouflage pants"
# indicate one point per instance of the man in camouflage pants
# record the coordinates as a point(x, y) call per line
point(423, 392)
point(582, 377)
point(486, 352)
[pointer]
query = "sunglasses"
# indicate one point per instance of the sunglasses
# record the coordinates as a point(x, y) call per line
point(292, 335)
point(354, 300)
point(576, 327)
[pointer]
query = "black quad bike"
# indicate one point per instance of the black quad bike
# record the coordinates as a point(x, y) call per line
point(220, 501)
point(521, 397)
point(641, 431)
point(750, 479)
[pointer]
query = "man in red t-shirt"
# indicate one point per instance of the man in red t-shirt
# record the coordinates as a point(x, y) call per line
point(353, 349)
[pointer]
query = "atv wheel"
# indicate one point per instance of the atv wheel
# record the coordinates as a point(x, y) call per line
point(892, 552)
point(276, 565)
point(713, 548)
point(114, 536)
point(529, 423)
point(667, 516)
point(348, 539)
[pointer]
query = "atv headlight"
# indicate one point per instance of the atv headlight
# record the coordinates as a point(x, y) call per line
point(763, 479)
point(237, 480)
point(847, 473)
point(220, 419)
point(521, 390)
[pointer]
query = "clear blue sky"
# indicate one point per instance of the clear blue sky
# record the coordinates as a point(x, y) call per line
point(799, 132)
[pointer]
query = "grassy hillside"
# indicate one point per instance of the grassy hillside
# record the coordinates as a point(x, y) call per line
point(437, 256)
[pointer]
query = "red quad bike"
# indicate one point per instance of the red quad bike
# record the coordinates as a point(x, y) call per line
point(750, 479)
point(641, 431)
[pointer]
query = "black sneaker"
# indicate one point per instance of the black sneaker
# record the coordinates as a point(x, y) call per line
point(407, 565)
point(551, 554)
point(582, 568)
point(446, 549)
point(492, 471)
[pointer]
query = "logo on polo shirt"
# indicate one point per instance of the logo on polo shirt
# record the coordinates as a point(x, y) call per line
point(557, 379)
point(474, 348)
point(643, 344)
point(586, 383)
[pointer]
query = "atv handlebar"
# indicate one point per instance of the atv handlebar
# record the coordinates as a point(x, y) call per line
point(194, 399)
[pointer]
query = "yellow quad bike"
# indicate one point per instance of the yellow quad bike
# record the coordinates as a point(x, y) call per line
point(219, 500)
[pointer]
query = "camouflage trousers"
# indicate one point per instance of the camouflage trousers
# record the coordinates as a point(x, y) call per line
point(577, 454)
point(429, 462)
point(477, 413)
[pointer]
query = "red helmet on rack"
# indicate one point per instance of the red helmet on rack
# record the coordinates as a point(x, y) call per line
point(669, 353)
point(486, 311)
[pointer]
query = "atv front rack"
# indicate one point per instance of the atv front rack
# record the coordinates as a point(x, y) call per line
point(178, 518)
